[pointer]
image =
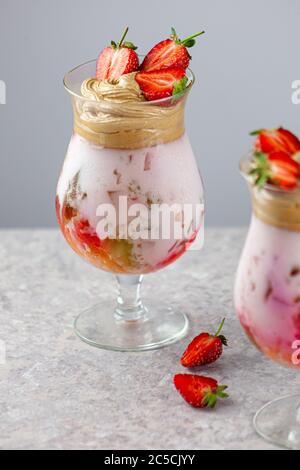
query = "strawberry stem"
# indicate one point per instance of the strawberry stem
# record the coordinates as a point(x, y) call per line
point(123, 37)
point(220, 327)
point(192, 37)
point(256, 132)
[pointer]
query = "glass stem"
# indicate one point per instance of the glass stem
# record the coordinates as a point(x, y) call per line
point(129, 303)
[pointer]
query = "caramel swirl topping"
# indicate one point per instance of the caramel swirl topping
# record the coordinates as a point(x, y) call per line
point(124, 90)
point(116, 115)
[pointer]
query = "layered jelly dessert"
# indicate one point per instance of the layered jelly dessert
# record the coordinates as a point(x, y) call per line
point(129, 141)
point(267, 289)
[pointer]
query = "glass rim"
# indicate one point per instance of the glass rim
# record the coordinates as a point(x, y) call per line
point(244, 165)
point(136, 103)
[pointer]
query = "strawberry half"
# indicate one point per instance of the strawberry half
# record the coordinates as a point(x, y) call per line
point(161, 84)
point(276, 140)
point(170, 53)
point(199, 391)
point(284, 170)
point(204, 349)
point(117, 60)
point(278, 168)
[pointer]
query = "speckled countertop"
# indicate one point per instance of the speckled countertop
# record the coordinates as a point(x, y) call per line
point(59, 393)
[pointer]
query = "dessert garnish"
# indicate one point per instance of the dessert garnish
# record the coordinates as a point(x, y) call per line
point(162, 73)
point(204, 349)
point(199, 391)
point(161, 84)
point(275, 159)
point(273, 140)
point(117, 59)
point(170, 53)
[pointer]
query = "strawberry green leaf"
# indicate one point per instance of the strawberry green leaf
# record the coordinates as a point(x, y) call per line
point(223, 395)
point(223, 339)
point(212, 400)
point(220, 391)
point(189, 43)
point(114, 44)
point(261, 181)
point(180, 85)
point(260, 157)
point(206, 398)
point(260, 169)
point(130, 45)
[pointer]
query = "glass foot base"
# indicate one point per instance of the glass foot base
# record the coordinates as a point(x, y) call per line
point(160, 326)
point(279, 422)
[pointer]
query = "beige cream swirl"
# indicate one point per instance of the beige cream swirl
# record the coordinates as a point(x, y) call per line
point(125, 90)
point(115, 115)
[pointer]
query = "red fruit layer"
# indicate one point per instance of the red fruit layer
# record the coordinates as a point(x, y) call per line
point(179, 249)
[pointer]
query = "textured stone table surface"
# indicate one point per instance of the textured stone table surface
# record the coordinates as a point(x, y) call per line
point(59, 393)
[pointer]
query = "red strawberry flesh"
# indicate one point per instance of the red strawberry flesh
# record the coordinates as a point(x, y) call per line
point(166, 54)
point(284, 170)
point(169, 53)
point(86, 234)
point(158, 85)
point(273, 140)
point(204, 349)
point(199, 391)
point(285, 162)
point(117, 60)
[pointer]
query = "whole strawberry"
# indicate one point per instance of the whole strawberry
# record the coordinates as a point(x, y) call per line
point(199, 391)
point(204, 349)
point(170, 53)
point(117, 60)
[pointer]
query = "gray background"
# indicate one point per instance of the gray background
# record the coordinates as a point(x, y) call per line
point(245, 65)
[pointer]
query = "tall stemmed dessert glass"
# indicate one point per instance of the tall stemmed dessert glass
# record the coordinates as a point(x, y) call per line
point(267, 289)
point(129, 182)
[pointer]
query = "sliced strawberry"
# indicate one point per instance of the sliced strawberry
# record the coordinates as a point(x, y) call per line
point(199, 391)
point(277, 168)
point(170, 53)
point(104, 62)
point(86, 234)
point(204, 349)
point(276, 140)
point(117, 60)
point(166, 54)
point(157, 85)
point(284, 170)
